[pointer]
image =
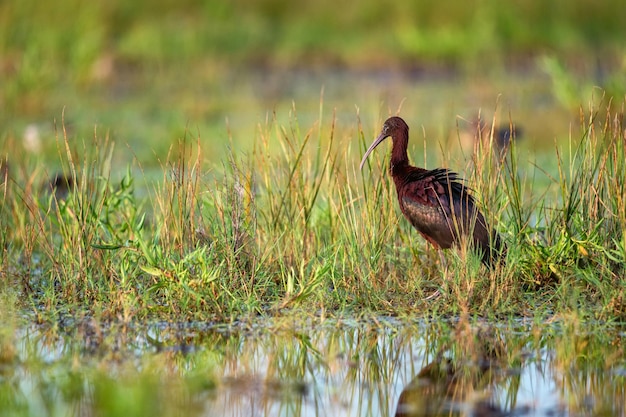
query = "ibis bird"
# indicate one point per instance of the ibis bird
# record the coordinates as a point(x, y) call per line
point(470, 133)
point(436, 202)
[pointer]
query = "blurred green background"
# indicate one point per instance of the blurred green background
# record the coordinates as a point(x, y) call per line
point(146, 73)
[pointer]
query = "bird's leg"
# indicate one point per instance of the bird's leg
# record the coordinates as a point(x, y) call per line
point(434, 295)
point(446, 270)
point(444, 265)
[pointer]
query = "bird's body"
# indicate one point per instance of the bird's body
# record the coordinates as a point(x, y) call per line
point(436, 202)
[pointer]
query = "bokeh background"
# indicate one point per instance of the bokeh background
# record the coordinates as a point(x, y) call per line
point(146, 73)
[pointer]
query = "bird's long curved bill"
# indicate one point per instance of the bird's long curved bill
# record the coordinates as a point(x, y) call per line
point(374, 144)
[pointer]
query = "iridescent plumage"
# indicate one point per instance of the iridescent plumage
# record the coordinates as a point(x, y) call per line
point(436, 202)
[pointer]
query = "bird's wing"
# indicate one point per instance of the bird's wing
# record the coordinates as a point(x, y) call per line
point(425, 202)
point(438, 187)
point(438, 204)
point(441, 207)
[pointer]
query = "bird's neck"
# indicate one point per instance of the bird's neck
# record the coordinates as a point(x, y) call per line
point(399, 157)
point(397, 168)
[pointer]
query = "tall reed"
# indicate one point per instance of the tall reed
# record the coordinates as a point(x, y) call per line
point(295, 224)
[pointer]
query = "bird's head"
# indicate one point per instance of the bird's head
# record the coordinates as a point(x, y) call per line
point(391, 125)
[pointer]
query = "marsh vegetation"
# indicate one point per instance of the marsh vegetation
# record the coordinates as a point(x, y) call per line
point(184, 227)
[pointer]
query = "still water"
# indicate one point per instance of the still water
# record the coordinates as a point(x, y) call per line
point(308, 366)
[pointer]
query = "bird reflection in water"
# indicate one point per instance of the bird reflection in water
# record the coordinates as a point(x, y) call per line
point(459, 386)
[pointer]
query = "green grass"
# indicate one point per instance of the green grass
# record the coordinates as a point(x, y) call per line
point(274, 32)
point(109, 49)
point(294, 224)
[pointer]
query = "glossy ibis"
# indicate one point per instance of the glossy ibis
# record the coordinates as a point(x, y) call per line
point(436, 202)
point(478, 131)
point(60, 185)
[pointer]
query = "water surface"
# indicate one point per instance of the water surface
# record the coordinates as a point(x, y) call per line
point(290, 366)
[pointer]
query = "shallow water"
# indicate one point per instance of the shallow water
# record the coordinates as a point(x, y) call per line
point(298, 366)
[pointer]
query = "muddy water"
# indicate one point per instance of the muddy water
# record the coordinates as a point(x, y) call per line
point(377, 366)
